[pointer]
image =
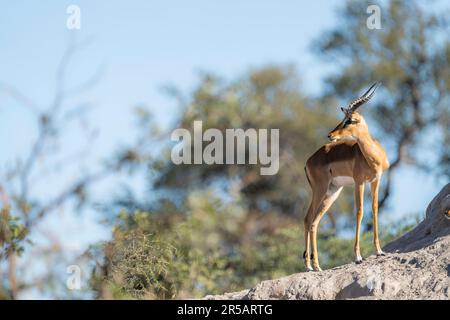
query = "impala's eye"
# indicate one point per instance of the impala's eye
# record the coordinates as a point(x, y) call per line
point(349, 122)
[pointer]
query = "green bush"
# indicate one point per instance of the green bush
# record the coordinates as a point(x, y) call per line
point(214, 247)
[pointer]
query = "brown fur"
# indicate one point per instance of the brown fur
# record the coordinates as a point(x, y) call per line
point(352, 154)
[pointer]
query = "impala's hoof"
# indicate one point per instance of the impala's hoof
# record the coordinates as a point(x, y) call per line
point(381, 254)
point(359, 260)
point(309, 269)
point(317, 269)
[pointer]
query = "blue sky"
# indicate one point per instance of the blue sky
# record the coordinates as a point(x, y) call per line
point(141, 46)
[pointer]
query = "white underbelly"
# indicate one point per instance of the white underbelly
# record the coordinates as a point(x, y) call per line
point(341, 181)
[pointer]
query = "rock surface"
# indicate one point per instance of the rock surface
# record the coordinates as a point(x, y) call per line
point(417, 266)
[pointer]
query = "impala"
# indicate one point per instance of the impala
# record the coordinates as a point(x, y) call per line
point(352, 158)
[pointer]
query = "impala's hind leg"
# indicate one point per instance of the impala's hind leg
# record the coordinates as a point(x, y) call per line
point(317, 196)
point(307, 223)
point(326, 201)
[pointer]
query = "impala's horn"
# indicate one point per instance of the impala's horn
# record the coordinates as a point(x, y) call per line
point(363, 99)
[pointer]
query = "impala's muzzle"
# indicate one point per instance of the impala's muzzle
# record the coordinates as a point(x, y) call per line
point(336, 133)
point(333, 136)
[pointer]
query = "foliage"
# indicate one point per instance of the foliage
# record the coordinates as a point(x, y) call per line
point(214, 247)
point(12, 232)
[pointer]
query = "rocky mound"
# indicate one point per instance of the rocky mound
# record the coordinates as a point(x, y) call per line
point(417, 266)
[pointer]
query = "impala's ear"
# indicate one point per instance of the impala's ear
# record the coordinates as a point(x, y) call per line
point(343, 110)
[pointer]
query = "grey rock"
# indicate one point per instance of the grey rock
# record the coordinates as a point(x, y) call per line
point(417, 266)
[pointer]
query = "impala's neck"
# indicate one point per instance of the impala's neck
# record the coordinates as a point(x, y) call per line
point(373, 153)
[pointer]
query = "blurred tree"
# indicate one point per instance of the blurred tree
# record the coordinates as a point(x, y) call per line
point(266, 98)
point(22, 209)
point(410, 55)
point(210, 228)
point(208, 246)
point(215, 228)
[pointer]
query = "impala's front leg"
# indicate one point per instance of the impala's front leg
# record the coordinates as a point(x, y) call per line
point(359, 195)
point(374, 186)
point(306, 253)
point(315, 255)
